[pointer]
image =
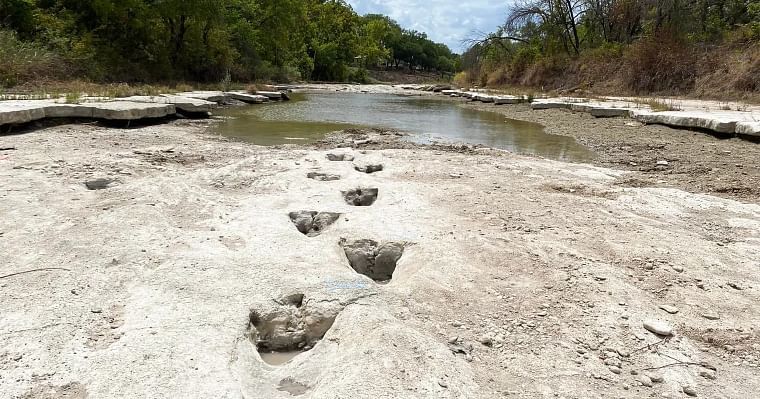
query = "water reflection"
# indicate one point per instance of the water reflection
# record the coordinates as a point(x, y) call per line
point(309, 116)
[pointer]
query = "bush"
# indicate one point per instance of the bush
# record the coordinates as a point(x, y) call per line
point(661, 62)
point(358, 75)
point(462, 79)
point(23, 61)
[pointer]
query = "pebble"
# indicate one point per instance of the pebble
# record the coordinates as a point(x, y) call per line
point(645, 381)
point(486, 340)
point(711, 316)
point(615, 369)
point(689, 390)
point(663, 163)
point(656, 377)
point(670, 309)
point(678, 268)
point(658, 327)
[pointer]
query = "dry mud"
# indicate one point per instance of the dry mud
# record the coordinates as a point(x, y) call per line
point(512, 276)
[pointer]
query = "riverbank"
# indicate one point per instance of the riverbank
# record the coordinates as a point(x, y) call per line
point(661, 156)
point(151, 261)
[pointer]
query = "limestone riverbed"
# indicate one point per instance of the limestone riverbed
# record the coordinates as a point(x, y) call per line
point(167, 261)
point(189, 256)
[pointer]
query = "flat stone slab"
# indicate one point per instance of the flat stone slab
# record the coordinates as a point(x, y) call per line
point(748, 128)
point(14, 112)
point(129, 110)
point(182, 103)
point(604, 112)
point(247, 98)
point(503, 100)
point(213, 96)
point(17, 112)
point(452, 93)
point(714, 121)
point(548, 104)
point(694, 114)
point(484, 98)
point(272, 95)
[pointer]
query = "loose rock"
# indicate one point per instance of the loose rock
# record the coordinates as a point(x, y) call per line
point(689, 390)
point(658, 327)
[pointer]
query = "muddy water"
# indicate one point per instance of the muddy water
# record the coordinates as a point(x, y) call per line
point(310, 116)
point(278, 358)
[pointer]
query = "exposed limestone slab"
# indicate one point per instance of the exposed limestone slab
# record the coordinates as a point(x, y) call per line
point(748, 128)
point(549, 104)
point(17, 112)
point(606, 112)
point(129, 110)
point(181, 103)
point(714, 121)
point(213, 96)
point(272, 95)
point(59, 110)
point(501, 100)
point(247, 98)
point(14, 112)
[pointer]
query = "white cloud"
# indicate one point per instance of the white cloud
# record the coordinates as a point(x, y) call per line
point(446, 21)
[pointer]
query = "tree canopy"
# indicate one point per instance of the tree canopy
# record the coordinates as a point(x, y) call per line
point(206, 40)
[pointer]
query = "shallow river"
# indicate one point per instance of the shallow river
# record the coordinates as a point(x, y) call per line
point(309, 117)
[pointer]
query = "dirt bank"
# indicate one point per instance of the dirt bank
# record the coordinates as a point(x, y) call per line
point(696, 161)
point(152, 262)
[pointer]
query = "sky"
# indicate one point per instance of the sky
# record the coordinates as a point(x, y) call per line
point(444, 21)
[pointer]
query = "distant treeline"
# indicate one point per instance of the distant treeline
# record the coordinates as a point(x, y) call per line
point(205, 40)
point(634, 45)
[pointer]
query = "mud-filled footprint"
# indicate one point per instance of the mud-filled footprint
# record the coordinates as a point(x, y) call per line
point(375, 260)
point(292, 327)
point(319, 176)
point(370, 168)
point(361, 196)
point(340, 157)
point(313, 223)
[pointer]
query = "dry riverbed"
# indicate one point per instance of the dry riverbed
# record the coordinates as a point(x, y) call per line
point(514, 276)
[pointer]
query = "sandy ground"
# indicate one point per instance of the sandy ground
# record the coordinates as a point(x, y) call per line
point(696, 161)
point(521, 277)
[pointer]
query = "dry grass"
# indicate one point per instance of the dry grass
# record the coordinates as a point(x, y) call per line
point(22, 61)
point(660, 105)
point(660, 63)
point(42, 89)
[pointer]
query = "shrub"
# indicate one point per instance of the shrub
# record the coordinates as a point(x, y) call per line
point(462, 79)
point(358, 75)
point(662, 62)
point(23, 61)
